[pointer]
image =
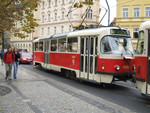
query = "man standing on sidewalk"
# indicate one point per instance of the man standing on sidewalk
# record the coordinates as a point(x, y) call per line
point(8, 59)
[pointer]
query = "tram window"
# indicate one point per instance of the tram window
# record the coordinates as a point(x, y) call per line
point(40, 46)
point(72, 45)
point(82, 45)
point(92, 44)
point(62, 45)
point(91, 64)
point(82, 60)
point(105, 47)
point(116, 45)
point(96, 46)
point(54, 45)
point(36, 46)
point(140, 46)
point(86, 64)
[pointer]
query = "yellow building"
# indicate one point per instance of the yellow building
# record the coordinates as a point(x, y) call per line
point(131, 13)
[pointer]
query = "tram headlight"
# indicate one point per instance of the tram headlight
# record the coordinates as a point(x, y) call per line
point(117, 67)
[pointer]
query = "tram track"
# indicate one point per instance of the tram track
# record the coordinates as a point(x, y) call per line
point(122, 96)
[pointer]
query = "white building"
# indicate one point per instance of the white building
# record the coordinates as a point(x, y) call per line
point(54, 20)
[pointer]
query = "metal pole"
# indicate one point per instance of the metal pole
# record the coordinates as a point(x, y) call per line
point(108, 12)
point(2, 41)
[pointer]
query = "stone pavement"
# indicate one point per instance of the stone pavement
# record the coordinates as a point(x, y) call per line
point(37, 94)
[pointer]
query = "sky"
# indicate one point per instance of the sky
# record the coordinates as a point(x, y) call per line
point(112, 5)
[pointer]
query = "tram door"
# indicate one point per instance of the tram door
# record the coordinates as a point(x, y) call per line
point(148, 65)
point(88, 62)
point(46, 54)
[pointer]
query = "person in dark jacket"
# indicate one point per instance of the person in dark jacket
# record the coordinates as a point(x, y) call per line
point(16, 63)
point(8, 59)
point(2, 54)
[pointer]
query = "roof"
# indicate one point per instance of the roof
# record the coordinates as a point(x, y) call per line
point(84, 32)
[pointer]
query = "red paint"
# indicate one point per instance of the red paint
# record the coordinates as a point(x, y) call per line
point(109, 65)
point(39, 56)
point(68, 60)
point(141, 62)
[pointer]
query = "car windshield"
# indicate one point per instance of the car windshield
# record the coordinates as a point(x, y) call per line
point(116, 45)
point(26, 55)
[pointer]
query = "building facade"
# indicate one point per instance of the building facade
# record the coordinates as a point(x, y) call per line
point(54, 16)
point(130, 14)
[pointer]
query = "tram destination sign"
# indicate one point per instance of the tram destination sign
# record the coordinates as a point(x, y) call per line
point(119, 32)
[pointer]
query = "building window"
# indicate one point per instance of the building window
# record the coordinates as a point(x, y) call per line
point(63, 15)
point(136, 12)
point(43, 5)
point(49, 3)
point(48, 31)
point(63, 1)
point(70, 28)
point(55, 30)
point(135, 32)
point(147, 11)
point(62, 29)
point(42, 31)
point(55, 2)
point(48, 17)
point(70, 14)
point(42, 18)
point(71, 0)
point(55, 16)
point(125, 12)
point(89, 15)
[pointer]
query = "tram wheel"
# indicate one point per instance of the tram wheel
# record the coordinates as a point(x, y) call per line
point(68, 73)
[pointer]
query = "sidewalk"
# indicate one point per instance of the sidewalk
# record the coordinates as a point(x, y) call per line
point(31, 94)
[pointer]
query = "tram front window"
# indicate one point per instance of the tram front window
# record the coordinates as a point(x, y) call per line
point(140, 44)
point(116, 45)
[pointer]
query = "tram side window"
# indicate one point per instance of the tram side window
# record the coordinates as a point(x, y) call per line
point(72, 45)
point(105, 47)
point(40, 46)
point(54, 45)
point(140, 46)
point(62, 45)
point(36, 46)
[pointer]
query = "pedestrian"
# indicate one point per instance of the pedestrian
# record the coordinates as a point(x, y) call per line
point(8, 59)
point(2, 54)
point(16, 63)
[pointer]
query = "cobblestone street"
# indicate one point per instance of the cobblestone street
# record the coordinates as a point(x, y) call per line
point(33, 93)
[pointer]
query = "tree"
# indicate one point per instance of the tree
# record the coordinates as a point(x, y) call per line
point(14, 11)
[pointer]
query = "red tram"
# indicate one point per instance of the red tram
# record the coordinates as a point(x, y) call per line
point(142, 59)
point(100, 54)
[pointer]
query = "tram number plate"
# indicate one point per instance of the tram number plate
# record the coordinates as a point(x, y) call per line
point(126, 67)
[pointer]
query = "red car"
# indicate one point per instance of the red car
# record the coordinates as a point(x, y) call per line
point(26, 57)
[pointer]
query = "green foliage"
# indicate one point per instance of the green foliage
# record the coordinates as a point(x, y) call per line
point(80, 5)
point(14, 11)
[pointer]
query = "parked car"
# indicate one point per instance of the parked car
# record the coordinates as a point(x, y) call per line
point(22, 50)
point(25, 57)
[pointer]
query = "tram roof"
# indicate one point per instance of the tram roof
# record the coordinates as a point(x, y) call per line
point(145, 25)
point(84, 32)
